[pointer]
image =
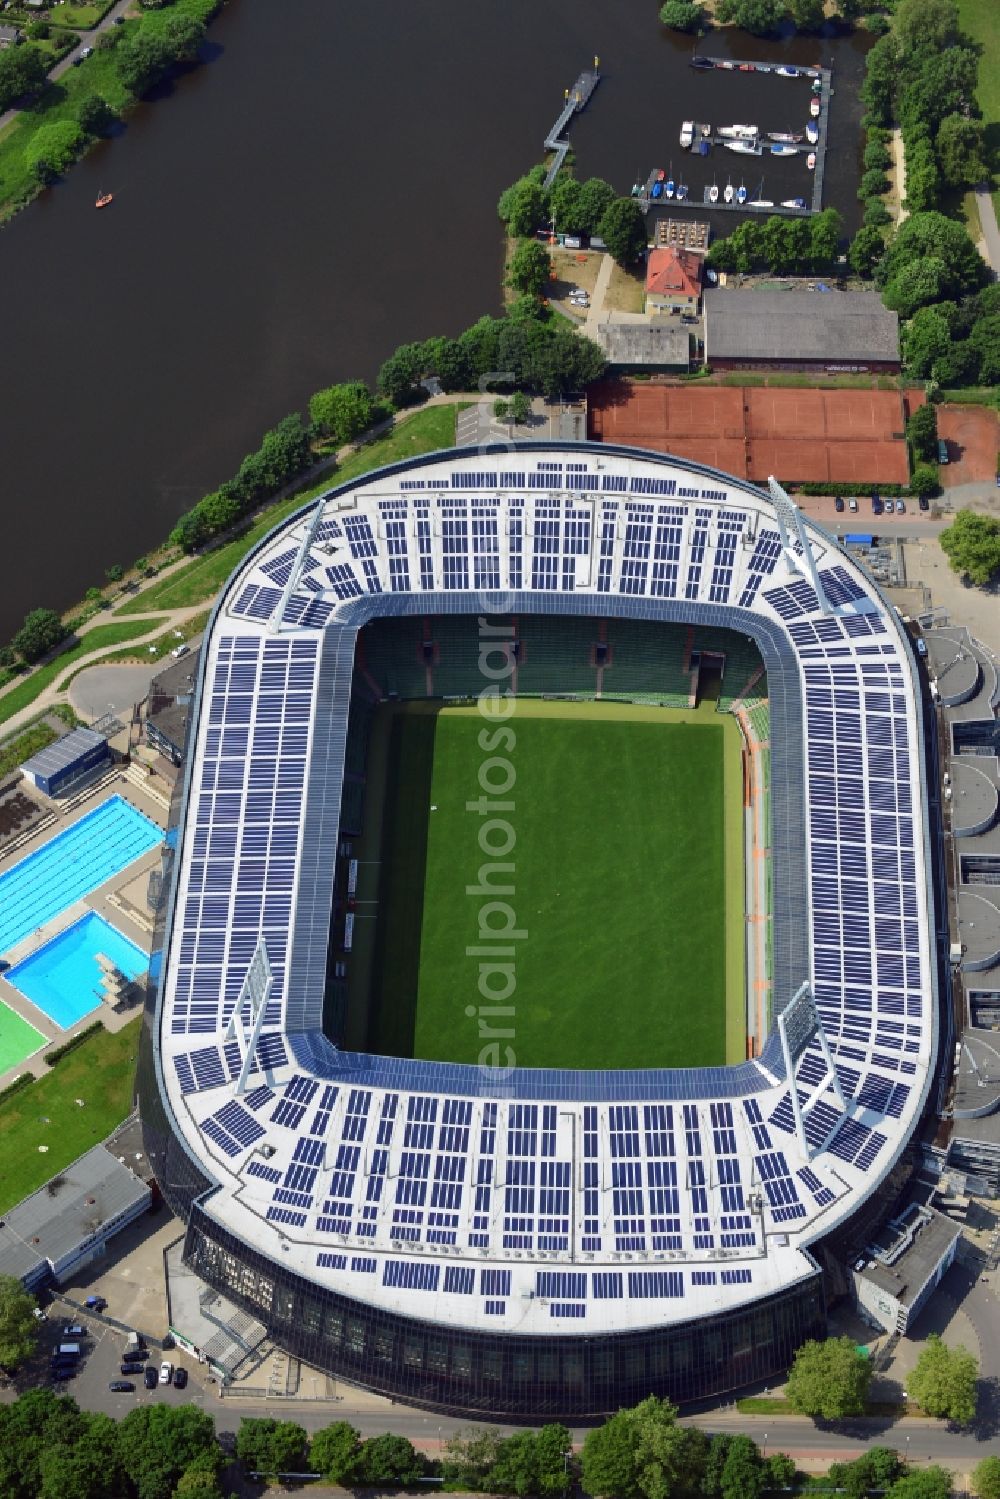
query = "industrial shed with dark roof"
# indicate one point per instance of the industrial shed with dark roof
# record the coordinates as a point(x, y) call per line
point(798, 330)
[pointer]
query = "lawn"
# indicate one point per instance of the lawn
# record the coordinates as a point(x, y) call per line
point(18, 1039)
point(201, 578)
point(101, 1072)
point(114, 633)
point(155, 650)
point(981, 20)
point(626, 958)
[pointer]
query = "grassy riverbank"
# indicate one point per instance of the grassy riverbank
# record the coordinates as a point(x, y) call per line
point(116, 632)
point(61, 100)
point(981, 20)
point(201, 578)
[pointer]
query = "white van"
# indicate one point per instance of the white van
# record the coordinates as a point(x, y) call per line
point(68, 1350)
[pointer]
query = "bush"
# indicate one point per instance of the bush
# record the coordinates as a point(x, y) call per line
point(924, 480)
point(873, 184)
point(53, 148)
point(877, 158)
point(681, 15)
point(52, 1057)
point(921, 432)
point(876, 214)
point(41, 630)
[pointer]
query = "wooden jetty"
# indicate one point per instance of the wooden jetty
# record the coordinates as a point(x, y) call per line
point(717, 142)
point(577, 98)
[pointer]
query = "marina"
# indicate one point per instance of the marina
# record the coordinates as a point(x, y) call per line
point(806, 139)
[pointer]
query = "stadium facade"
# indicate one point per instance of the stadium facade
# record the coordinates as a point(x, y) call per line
point(515, 1241)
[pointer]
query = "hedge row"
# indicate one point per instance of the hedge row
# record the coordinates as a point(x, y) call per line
point(52, 1057)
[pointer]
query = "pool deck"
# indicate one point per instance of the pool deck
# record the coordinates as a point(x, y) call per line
point(120, 900)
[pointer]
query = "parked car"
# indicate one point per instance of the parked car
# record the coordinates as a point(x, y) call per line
point(95, 1303)
point(122, 1386)
point(889, 507)
point(132, 1368)
point(838, 504)
point(900, 507)
point(166, 1372)
point(943, 451)
point(74, 1330)
point(921, 647)
point(86, 52)
point(63, 1371)
point(852, 505)
point(150, 1377)
point(180, 1378)
point(925, 503)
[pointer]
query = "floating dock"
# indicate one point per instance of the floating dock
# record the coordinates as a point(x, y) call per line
point(704, 132)
point(577, 98)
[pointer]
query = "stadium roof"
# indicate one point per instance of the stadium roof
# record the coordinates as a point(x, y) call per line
point(839, 327)
point(650, 1197)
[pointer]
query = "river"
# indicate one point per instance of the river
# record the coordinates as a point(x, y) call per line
point(321, 189)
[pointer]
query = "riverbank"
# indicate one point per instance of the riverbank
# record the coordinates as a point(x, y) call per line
point(63, 96)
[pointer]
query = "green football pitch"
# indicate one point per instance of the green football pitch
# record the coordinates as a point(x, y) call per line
point(626, 840)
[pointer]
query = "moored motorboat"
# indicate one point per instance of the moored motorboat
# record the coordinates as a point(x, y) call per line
point(747, 67)
point(760, 203)
point(713, 193)
point(702, 62)
point(780, 149)
point(682, 191)
point(793, 203)
point(703, 148)
point(725, 63)
point(812, 133)
point(811, 161)
point(744, 148)
point(657, 190)
point(741, 195)
point(814, 106)
point(817, 85)
point(740, 132)
point(785, 135)
point(785, 70)
point(729, 191)
point(668, 186)
point(687, 133)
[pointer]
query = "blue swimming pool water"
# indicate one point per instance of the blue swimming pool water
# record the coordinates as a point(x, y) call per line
point(63, 978)
point(72, 864)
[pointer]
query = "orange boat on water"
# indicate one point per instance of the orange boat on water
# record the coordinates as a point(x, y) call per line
point(103, 199)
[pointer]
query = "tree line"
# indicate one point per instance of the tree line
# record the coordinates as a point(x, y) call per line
point(589, 208)
point(761, 17)
point(781, 245)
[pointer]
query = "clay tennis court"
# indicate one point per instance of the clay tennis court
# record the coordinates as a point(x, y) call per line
point(799, 435)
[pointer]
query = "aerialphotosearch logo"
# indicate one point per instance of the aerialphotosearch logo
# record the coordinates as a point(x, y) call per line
point(498, 934)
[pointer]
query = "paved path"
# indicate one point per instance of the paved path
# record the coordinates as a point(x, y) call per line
point(597, 300)
point(991, 234)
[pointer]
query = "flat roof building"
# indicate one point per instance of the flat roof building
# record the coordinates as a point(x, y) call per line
point(813, 331)
point(57, 766)
point(903, 1265)
point(69, 1221)
point(649, 345)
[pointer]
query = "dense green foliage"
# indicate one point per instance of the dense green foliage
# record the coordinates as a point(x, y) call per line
point(95, 114)
point(681, 15)
point(18, 1326)
point(623, 230)
point(759, 16)
point(944, 1380)
point(270, 1447)
point(784, 246)
point(41, 630)
point(530, 268)
point(22, 70)
point(145, 56)
point(829, 1379)
point(986, 1478)
point(342, 412)
point(53, 148)
point(878, 1468)
point(921, 432)
point(576, 207)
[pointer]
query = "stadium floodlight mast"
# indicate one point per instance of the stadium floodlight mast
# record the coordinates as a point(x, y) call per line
point(798, 1024)
point(277, 618)
point(256, 988)
point(789, 517)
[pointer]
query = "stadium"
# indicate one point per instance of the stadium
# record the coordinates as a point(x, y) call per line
point(549, 968)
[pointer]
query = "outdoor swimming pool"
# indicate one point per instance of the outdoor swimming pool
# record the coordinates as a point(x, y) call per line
point(72, 864)
point(63, 978)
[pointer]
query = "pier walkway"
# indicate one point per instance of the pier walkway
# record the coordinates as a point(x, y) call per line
point(576, 99)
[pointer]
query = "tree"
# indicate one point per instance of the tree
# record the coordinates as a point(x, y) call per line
point(343, 411)
point(470, 1459)
point(876, 157)
point(878, 88)
point(681, 15)
point(985, 340)
point(608, 1466)
point(530, 268)
point(873, 183)
point(389, 1459)
point(742, 1471)
point(89, 1467)
point(923, 1483)
point(961, 151)
point(501, 409)
point(53, 148)
point(867, 249)
point(921, 430)
point(876, 214)
point(596, 197)
point(829, 1379)
point(924, 25)
point(972, 546)
point(142, 58)
point(986, 1478)
point(184, 36)
point(923, 182)
point(758, 16)
point(334, 1451)
point(924, 479)
point(38, 31)
point(22, 71)
point(917, 285)
point(18, 1324)
point(807, 14)
point(520, 408)
point(944, 1381)
point(522, 207)
point(95, 114)
point(643, 1454)
point(400, 372)
point(623, 230)
point(271, 1447)
point(877, 1468)
point(824, 237)
point(41, 630)
point(158, 1443)
point(779, 1468)
point(197, 1483)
